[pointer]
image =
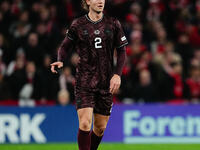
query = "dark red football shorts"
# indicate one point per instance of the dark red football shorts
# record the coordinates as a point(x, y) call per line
point(99, 100)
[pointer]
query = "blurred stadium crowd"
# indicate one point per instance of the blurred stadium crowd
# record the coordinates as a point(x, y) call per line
point(163, 63)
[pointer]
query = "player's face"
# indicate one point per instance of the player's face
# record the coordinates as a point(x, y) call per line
point(96, 5)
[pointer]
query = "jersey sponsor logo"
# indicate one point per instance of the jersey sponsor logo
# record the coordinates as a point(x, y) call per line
point(85, 32)
point(123, 38)
point(96, 32)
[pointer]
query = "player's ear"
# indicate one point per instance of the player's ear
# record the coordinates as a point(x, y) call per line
point(87, 2)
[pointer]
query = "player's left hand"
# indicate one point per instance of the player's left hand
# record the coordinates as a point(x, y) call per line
point(115, 83)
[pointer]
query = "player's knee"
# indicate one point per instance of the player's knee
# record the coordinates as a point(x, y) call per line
point(99, 130)
point(85, 124)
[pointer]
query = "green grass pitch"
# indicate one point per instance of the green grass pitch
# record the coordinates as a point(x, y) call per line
point(104, 146)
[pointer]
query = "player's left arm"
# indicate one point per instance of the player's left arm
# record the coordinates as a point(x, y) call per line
point(115, 81)
point(120, 42)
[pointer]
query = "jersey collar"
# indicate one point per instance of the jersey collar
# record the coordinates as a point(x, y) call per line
point(94, 22)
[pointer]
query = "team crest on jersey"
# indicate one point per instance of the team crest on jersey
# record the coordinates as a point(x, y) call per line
point(96, 32)
point(107, 30)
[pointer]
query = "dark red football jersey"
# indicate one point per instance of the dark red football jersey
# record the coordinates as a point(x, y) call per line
point(95, 43)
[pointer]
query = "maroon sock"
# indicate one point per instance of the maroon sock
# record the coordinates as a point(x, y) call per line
point(84, 140)
point(95, 140)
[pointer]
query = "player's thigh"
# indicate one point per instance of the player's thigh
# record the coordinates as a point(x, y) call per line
point(85, 118)
point(85, 113)
point(100, 121)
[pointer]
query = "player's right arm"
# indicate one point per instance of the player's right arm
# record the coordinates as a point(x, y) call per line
point(66, 45)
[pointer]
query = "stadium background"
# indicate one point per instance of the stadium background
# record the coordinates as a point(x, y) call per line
point(160, 91)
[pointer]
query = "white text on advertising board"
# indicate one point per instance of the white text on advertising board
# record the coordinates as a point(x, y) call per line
point(136, 127)
point(21, 129)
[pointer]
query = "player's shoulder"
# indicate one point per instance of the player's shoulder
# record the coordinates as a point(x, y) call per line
point(78, 21)
point(109, 18)
point(112, 20)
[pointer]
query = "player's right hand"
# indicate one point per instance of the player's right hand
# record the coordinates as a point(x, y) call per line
point(56, 64)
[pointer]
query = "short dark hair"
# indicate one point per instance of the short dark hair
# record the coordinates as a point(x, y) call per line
point(84, 5)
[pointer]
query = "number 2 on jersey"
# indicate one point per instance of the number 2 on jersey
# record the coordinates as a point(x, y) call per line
point(98, 42)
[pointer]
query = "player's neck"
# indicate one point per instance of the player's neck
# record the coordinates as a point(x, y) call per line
point(95, 16)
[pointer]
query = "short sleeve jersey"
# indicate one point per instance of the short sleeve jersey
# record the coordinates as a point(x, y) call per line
point(95, 43)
